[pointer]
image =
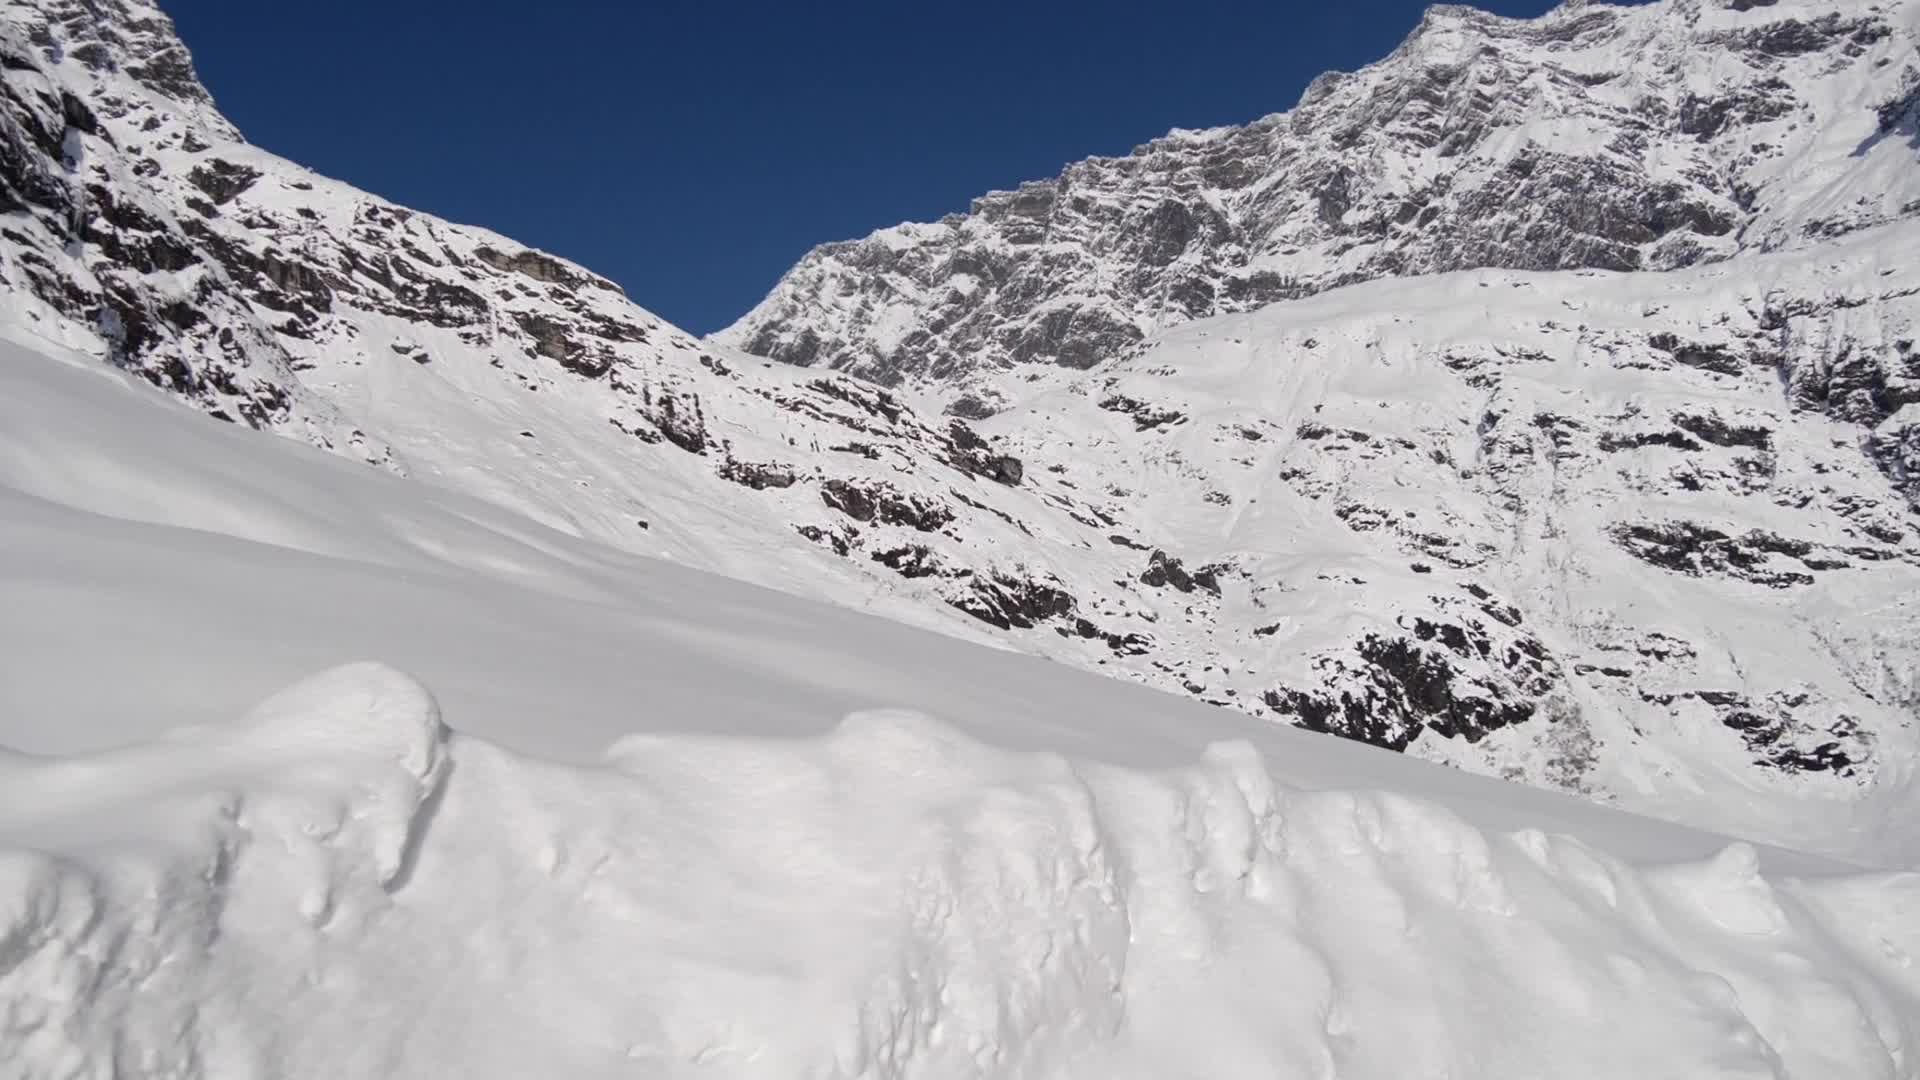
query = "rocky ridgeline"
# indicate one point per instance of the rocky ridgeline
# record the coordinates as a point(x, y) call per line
point(1619, 138)
point(1527, 523)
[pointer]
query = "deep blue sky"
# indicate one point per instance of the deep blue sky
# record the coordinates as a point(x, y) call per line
point(693, 151)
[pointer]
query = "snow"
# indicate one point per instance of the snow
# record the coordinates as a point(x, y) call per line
point(605, 815)
point(1415, 365)
point(170, 543)
point(310, 769)
point(1361, 457)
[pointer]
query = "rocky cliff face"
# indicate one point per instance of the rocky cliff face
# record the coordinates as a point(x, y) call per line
point(1619, 138)
point(94, 97)
point(1629, 531)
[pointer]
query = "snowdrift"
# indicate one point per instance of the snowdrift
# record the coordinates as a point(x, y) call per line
point(339, 886)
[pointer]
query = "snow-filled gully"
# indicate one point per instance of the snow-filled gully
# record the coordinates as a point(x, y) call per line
point(339, 885)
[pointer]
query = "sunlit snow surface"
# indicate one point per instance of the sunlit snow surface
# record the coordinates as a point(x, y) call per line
point(636, 820)
point(1647, 537)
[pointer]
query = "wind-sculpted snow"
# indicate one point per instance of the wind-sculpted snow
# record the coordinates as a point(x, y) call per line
point(1649, 537)
point(341, 887)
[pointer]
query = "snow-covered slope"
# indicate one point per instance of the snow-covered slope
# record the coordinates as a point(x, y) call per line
point(815, 844)
point(1638, 535)
point(1600, 136)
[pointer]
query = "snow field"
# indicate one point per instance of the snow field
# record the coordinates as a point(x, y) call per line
point(340, 886)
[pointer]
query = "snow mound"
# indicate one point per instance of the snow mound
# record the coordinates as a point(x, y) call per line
point(337, 886)
point(125, 876)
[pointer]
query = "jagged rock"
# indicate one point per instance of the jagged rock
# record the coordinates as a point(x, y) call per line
point(1145, 417)
point(1131, 644)
point(534, 264)
point(1007, 601)
point(909, 560)
point(970, 407)
point(1705, 356)
point(223, 181)
point(1452, 676)
point(1781, 739)
point(866, 502)
point(1163, 570)
point(682, 422)
point(1691, 548)
point(970, 453)
point(842, 541)
point(1714, 430)
point(1895, 448)
point(1198, 223)
point(758, 475)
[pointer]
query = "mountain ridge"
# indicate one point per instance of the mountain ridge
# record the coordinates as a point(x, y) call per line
point(1408, 165)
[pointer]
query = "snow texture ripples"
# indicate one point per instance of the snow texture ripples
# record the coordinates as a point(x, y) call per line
point(339, 885)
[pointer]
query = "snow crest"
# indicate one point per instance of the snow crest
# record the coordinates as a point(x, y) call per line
point(126, 877)
point(337, 886)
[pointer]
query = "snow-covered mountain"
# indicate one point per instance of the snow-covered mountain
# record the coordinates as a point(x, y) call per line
point(1602, 137)
point(1647, 534)
point(626, 818)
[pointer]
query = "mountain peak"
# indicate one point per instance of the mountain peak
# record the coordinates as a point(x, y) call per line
point(1482, 141)
point(133, 36)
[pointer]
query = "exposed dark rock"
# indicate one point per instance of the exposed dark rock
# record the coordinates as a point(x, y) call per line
point(1896, 450)
point(1404, 688)
point(1164, 571)
point(1145, 417)
point(1008, 602)
point(841, 541)
point(1780, 738)
point(1613, 441)
point(223, 181)
point(1706, 118)
point(446, 304)
point(909, 560)
point(758, 475)
point(130, 236)
point(296, 279)
point(866, 501)
point(1797, 37)
point(1131, 644)
point(970, 407)
point(970, 453)
point(870, 400)
point(1003, 468)
point(552, 339)
point(1706, 357)
point(1714, 430)
point(1690, 548)
point(681, 422)
point(534, 264)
